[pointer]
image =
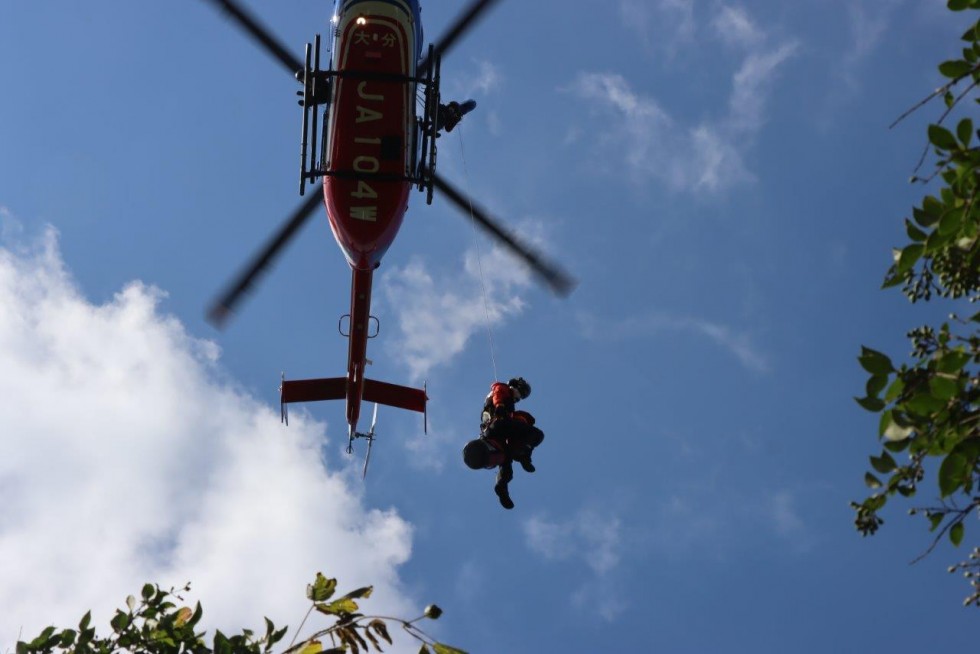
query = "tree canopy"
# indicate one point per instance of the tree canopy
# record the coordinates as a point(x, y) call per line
point(929, 406)
point(156, 623)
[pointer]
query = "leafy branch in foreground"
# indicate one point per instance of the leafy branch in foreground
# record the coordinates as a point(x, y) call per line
point(930, 407)
point(155, 625)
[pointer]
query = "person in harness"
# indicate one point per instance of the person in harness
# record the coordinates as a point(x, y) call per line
point(450, 114)
point(506, 435)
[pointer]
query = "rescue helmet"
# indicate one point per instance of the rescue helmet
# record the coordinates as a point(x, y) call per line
point(521, 386)
point(476, 454)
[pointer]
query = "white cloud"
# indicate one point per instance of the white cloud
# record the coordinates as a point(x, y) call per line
point(124, 460)
point(786, 519)
point(750, 87)
point(664, 24)
point(867, 24)
point(653, 145)
point(591, 537)
point(437, 316)
point(488, 79)
point(738, 344)
point(735, 27)
point(700, 153)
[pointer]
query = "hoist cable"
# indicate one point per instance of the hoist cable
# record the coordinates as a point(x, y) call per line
point(479, 257)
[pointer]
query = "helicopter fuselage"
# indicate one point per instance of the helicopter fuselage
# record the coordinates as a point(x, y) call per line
point(371, 126)
point(369, 150)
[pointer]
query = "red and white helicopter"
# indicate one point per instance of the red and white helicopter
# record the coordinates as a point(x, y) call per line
point(378, 142)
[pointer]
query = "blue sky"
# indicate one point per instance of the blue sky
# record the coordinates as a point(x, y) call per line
point(718, 175)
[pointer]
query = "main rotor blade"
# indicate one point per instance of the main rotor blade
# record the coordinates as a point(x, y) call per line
point(463, 23)
point(262, 34)
point(222, 309)
point(552, 274)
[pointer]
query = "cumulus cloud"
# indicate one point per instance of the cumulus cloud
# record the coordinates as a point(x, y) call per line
point(738, 344)
point(591, 537)
point(705, 154)
point(437, 315)
point(125, 458)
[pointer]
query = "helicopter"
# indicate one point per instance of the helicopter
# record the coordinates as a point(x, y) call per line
point(381, 117)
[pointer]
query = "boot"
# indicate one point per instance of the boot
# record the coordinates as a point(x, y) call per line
point(525, 460)
point(500, 488)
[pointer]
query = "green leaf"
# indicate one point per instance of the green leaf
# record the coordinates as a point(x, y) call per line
point(954, 68)
point(120, 621)
point(423, 649)
point(897, 446)
point(952, 362)
point(360, 592)
point(964, 130)
point(875, 502)
point(336, 607)
point(321, 589)
point(914, 233)
point(956, 534)
point(871, 404)
point(924, 405)
point(148, 590)
point(875, 362)
point(953, 473)
point(958, 5)
point(935, 519)
point(938, 240)
point(67, 638)
point(446, 649)
point(895, 389)
point(932, 208)
point(221, 644)
point(876, 384)
point(951, 222)
point(871, 481)
point(910, 254)
point(943, 388)
point(884, 463)
point(312, 647)
point(942, 138)
point(83, 625)
point(884, 422)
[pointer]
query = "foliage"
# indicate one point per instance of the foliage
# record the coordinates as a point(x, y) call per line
point(930, 407)
point(155, 625)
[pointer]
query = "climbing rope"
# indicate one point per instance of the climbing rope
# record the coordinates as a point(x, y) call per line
point(479, 256)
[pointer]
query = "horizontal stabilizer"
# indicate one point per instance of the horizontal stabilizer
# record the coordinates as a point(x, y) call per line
point(313, 390)
point(401, 397)
point(335, 388)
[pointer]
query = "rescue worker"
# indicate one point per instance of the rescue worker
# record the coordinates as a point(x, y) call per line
point(450, 114)
point(506, 435)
